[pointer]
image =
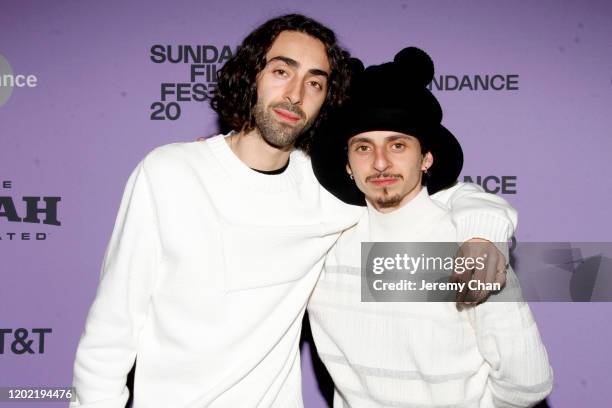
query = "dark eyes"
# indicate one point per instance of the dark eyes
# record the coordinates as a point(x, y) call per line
point(316, 85)
point(394, 146)
point(284, 73)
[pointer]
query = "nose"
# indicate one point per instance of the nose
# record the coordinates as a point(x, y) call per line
point(381, 161)
point(294, 92)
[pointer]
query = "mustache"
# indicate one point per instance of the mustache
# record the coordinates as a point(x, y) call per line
point(291, 108)
point(384, 175)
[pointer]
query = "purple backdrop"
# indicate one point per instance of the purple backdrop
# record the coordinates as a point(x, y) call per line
point(80, 131)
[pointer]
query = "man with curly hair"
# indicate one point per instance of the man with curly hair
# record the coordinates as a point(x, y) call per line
point(218, 244)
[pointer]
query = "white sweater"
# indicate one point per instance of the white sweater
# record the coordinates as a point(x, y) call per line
point(418, 354)
point(207, 275)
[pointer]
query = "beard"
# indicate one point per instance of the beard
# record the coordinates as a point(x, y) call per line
point(275, 132)
point(388, 201)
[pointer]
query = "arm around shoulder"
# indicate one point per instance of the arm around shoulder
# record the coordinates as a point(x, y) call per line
point(478, 214)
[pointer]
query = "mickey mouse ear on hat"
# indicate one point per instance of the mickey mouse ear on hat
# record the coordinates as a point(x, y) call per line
point(356, 66)
point(416, 65)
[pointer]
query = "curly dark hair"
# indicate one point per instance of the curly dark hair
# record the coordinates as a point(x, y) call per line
point(236, 93)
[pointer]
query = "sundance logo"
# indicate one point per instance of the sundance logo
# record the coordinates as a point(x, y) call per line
point(476, 82)
point(9, 81)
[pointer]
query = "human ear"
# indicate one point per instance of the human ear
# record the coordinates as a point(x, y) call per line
point(427, 161)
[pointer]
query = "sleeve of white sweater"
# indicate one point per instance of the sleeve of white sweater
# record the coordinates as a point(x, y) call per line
point(509, 340)
point(477, 214)
point(107, 348)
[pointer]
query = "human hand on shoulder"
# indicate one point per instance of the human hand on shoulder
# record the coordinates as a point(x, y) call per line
point(489, 272)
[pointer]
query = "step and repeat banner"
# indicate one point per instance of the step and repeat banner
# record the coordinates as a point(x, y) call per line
point(88, 88)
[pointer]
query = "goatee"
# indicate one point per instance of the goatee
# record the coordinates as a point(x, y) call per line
point(387, 201)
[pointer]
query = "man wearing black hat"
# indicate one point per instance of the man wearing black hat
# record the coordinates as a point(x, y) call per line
point(385, 146)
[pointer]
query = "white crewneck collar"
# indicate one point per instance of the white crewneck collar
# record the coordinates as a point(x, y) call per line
point(405, 221)
point(250, 178)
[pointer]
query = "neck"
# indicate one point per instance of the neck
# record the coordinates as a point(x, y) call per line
point(256, 153)
point(405, 200)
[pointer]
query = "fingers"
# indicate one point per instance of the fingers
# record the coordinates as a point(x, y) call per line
point(493, 271)
point(462, 298)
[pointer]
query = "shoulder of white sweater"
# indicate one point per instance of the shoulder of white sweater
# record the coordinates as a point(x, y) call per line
point(179, 161)
point(336, 211)
point(169, 156)
point(439, 208)
point(173, 154)
point(458, 189)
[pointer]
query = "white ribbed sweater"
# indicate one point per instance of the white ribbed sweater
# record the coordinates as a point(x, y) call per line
point(207, 275)
point(417, 354)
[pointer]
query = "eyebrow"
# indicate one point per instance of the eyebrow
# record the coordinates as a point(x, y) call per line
point(359, 140)
point(293, 63)
point(397, 137)
point(391, 138)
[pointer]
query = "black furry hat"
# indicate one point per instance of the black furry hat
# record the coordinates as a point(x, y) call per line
point(391, 96)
